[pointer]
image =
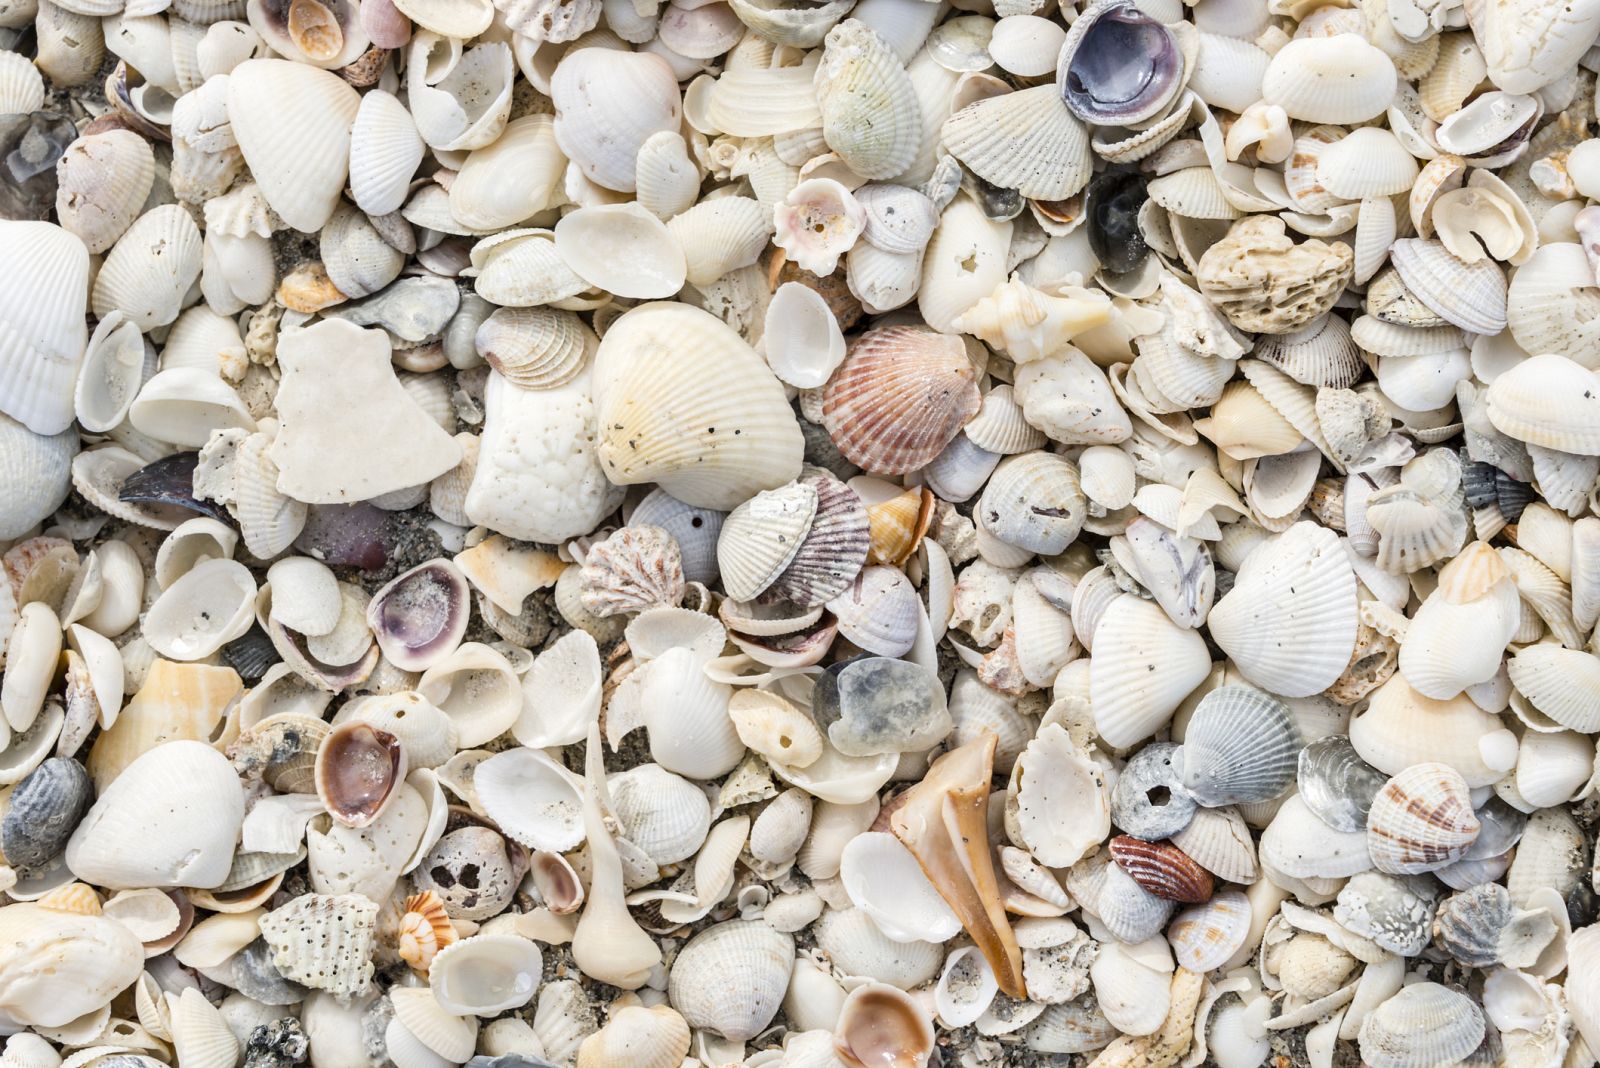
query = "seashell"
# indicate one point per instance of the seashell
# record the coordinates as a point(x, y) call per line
point(1424, 1023)
point(561, 693)
point(1219, 841)
point(607, 104)
point(881, 1024)
point(883, 880)
point(817, 222)
point(1161, 869)
point(139, 835)
point(721, 235)
point(1421, 820)
point(1027, 140)
point(1336, 784)
point(1033, 501)
point(1557, 681)
point(730, 978)
point(1239, 747)
point(1562, 387)
point(1298, 844)
point(835, 546)
point(878, 611)
point(899, 397)
point(461, 851)
point(63, 965)
point(299, 165)
point(418, 618)
point(646, 409)
point(485, 974)
point(1133, 995)
point(1051, 777)
point(323, 941)
point(1130, 702)
point(358, 772)
point(385, 150)
point(213, 603)
point(102, 182)
point(802, 339)
point(963, 263)
point(1028, 324)
point(761, 537)
point(507, 782)
point(424, 930)
point(1546, 307)
point(1338, 79)
point(200, 1031)
point(662, 814)
point(637, 568)
point(1474, 602)
point(40, 369)
point(778, 833)
point(596, 241)
point(460, 98)
point(45, 808)
point(1470, 296)
point(1263, 282)
point(1394, 912)
point(1120, 68)
point(870, 114)
point(876, 705)
point(1204, 936)
point(650, 1037)
point(1366, 162)
point(1254, 618)
point(856, 947)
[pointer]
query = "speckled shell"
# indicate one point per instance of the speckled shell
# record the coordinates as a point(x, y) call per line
point(730, 978)
point(1421, 820)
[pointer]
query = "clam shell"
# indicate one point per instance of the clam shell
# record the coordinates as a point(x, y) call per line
point(1219, 841)
point(622, 249)
point(834, 549)
point(1162, 869)
point(1561, 392)
point(485, 974)
point(78, 963)
point(293, 123)
point(607, 105)
point(1034, 502)
point(1205, 936)
point(1421, 820)
point(1338, 79)
point(506, 782)
point(102, 181)
point(45, 334)
point(1130, 701)
point(210, 605)
point(359, 770)
point(879, 1023)
point(870, 113)
point(1321, 353)
point(667, 403)
point(420, 616)
point(1337, 784)
point(46, 807)
point(730, 978)
point(1239, 747)
point(883, 879)
point(1119, 35)
point(476, 687)
point(1559, 682)
point(1471, 296)
point(878, 611)
point(385, 150)
point(1424, 1023)
point(1027, 140)
point(899, 397)
point(761, 537)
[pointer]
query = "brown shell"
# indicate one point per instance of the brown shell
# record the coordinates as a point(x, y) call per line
point(834, 549)
point(1163, 869)
point(359, 770)
point(898, 525)
point(899, 397)
point(425, 929)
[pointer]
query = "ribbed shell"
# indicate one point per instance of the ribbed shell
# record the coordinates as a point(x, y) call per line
point(870, 113)
point(685, 402)
point(1290, 620)
point(695, 529)
point(721, 235)
point(1424, 1024)
point(36, 476)
point(834, 550)
point(1142, 666)
point(1421, 820)
point(1240, 747)
point(1033, 501)
point(1129, 911)
point(1564, 684)
point(731, 978)
point(1205, 936)
point(1468, 924)
point(899, 397)
point(1162, 868)
point(293, 125)
point(1548, 400)
point(1321, 353)
point(536, 348)
point(1000, 427)
point(42, 332)
point(102, 182)
point(762, 535)
point(1026, 140)
point(664, 815)
point(1471, 296)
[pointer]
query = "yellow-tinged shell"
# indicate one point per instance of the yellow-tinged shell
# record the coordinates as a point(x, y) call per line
point(424, 930)
point(685, 402)
point(73, 897)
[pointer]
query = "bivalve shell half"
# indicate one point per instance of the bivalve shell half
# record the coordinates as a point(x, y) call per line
point(608, 103)
point(486, 974)
point(293, 122)
point(1240, 747)
point(899, 397)
point(1422, 820)
point(870, 111)
point(1550, 401)
point(1338, 79)
point(760, 538)
point(148, 272)
point(731, 978)
point(1423, 1024)
point(1027, 140)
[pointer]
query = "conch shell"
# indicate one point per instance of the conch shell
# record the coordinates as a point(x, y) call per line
point(943, 820)
point(1029, 324)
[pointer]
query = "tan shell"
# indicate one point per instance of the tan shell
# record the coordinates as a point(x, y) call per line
point(1264, 282)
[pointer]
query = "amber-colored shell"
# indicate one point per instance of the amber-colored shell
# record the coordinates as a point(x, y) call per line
point(1163, 869)
point(899, 397)
point(898, 525)
point(73, 897)
point(425, 929)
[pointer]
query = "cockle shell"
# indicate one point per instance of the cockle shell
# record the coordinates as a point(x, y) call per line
point(293, 122)
point(607, 104)
point(731, 977)
point(60, 965)
point(1421, 820)
point(1424, 1023)
point(870, 113)
point(45, 333)
point(1240, 746)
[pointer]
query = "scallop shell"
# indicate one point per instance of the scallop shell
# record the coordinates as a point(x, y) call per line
point(667, 404)
point(870, 113)
point(1301, 584)
point(1162, 869)
point(899, 397)
point(1205, 936)
point(836, 546)
point(1424, 1023)
point(1131, 702)
point(1546, 400)
point(761, 537)
point(1558, 682)
point(1239, 747)
point(1421, 820)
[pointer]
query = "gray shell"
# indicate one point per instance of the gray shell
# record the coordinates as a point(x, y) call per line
point(255, 976)
point(876, 704)
point(1149, 800)
point(1240, 747)
point(46, 808)
point(1396, 912)
point(492, 884)
point(1468, 924)
point(1337, 784)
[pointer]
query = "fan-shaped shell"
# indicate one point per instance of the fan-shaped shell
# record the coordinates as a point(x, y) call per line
point(1239, 747)
point(1423, 1024)
point(870, 112)
point(730, 978)
point(1027, 140)
point(1421, 820)
point(899, 397)
point(293, 123)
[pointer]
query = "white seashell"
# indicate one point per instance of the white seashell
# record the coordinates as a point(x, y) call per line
point(485, 974)
point(686, 714)
point(622, 249)
point(653, 400)
point(883, 880)
point(293, 123)
point(1027, 140)
point(949, 286)
point(44, 333)
point(1133, 995)
point(1051, 777)
point(183, 405)
point(476, 687)
point(459, 100)
point(802, 341)
point(1456, 638)
point(1131, 702)
point(817, 222)
point(103, 182)
point(1301, 585)
point(213, 603)
point(560, 693)
point(1547, 305)
point(170, 819)
point(200, 1031)
point(666, 180)
point(1401, 727)
point(720, 235)
point(1366, 162)
point(1338, 79)
point(730, 978)
point(607, 105)
point(1560, 391)
point(1424, 1023)
point(62, 965)
point(870, 114)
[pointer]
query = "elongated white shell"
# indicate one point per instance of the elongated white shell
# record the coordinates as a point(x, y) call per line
point(293, 123)
point(42, 333)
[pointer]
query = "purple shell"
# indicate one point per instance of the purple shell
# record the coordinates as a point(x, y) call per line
point(420, 617)
point(348, 535)
point(1118, 65)
point(170, 481)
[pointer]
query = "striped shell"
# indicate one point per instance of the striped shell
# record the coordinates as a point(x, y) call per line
point(1421, 820)
point(1162, 868)
point(899, 397)
point(1240, 747)
point(834, 549)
